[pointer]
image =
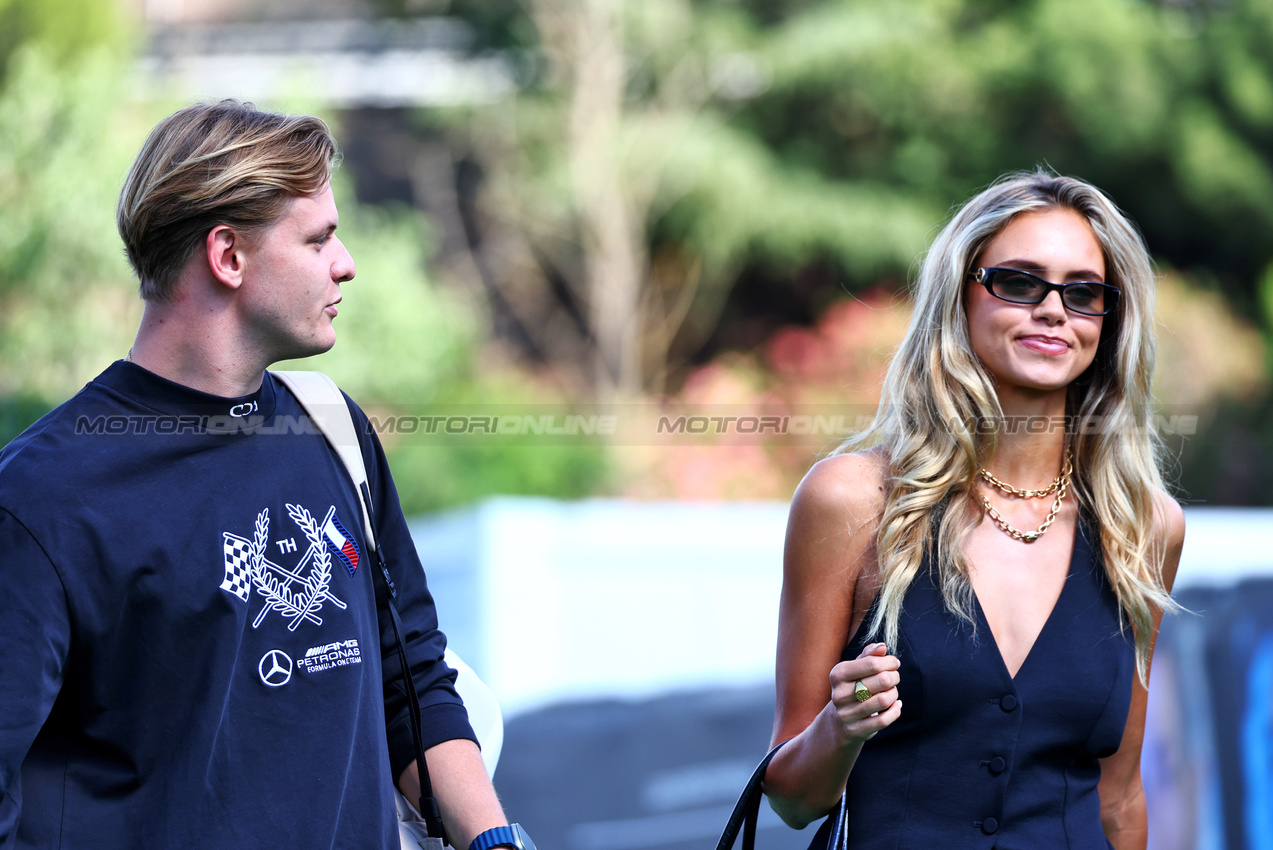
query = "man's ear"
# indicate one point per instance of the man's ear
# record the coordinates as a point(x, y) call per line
point(224, 249)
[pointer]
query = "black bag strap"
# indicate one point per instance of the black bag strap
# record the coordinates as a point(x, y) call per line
point(747, 812)
point(428, 806)
point(747, 809)
point(839, 839)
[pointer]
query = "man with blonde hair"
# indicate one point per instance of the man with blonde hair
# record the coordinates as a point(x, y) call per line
point(193, 646)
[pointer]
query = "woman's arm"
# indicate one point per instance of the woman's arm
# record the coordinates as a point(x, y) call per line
point(1122, 793)
point(830, 546)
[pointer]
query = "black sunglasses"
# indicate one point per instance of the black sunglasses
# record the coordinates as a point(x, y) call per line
point(1082, 296)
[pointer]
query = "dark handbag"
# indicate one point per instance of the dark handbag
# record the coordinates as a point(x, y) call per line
point(747, 810)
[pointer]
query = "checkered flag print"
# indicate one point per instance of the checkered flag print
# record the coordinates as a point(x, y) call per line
point(238, 573)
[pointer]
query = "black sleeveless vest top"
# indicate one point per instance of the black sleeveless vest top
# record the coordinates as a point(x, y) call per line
point(979, 759)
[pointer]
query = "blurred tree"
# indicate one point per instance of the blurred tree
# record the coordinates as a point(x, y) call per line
point(68, 302)
point(1167, 106)
point(66, 307)
point(434, 472)
point(664, 151)
point(621, 200)
point(63, 143)
point(65, 29)
point(58, 80)
point(406, 349)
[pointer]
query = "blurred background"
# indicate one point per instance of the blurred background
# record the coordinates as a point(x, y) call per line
point(591, 220)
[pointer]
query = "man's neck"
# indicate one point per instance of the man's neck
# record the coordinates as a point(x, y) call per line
point(203, 356)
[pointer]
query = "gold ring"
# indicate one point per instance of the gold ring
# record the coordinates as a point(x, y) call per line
point(861, 692)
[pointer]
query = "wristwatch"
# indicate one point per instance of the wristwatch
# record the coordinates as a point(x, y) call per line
point(503, 836)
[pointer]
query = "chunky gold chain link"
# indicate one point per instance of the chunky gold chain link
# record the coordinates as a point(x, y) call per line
point(1061, 485)
point(1066, 469)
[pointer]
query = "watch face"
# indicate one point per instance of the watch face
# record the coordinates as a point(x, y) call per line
point(526, 843)
point(503, 836)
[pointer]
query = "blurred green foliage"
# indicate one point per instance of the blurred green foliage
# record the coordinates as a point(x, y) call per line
point(758, 145)
point(434, 476)
point(65, 29)
point(1166, 106)
point(17, 412)
point(788, 132)
point(406, 346)
point(68, 302)
point(64, 145)
point(784, 152)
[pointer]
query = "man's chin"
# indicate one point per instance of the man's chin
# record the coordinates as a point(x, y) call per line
point(299, 351)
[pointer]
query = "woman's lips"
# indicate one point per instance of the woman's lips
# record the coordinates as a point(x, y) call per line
point(1045, 344)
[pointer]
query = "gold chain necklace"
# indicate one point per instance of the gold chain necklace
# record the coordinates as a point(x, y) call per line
point(1060, 486)
point(1031, 494)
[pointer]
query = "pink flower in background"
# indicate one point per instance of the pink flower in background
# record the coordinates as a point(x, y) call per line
point(836, 366)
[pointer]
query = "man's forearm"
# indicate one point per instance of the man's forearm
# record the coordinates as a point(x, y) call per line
point(464, 792)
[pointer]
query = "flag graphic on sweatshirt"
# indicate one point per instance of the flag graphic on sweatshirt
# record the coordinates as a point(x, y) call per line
point(341, 544)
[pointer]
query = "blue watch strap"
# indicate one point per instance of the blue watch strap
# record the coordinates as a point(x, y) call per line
point(503, 836)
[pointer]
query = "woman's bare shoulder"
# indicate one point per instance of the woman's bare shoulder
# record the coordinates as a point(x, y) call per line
point(1169, 517)
point(848, 486)
point(836, 511)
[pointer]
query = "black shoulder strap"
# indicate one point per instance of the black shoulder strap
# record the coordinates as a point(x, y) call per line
point(326, 406)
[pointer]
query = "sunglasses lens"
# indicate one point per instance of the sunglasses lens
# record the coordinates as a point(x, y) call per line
point(1018, 287)
point(1085, 299)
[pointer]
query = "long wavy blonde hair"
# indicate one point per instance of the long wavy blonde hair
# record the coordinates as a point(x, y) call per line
point(939, 415)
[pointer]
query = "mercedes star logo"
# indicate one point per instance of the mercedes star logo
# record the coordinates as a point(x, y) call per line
point(275, 668)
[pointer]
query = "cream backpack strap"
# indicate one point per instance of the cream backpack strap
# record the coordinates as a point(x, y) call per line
point(326, 406)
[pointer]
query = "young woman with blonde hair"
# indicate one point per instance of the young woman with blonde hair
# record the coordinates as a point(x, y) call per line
point(972, 588)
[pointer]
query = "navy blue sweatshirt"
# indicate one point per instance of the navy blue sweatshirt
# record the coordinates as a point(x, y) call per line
point(191, 644)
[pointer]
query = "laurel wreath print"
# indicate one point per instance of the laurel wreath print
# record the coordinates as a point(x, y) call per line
point(305, 602)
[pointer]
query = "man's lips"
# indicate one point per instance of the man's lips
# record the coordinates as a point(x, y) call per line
point(1045, 344)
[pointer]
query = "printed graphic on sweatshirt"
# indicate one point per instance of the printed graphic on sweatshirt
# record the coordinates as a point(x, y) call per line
point(275, 668)
point(341, 653)
point(297, 593)
point(341, 543)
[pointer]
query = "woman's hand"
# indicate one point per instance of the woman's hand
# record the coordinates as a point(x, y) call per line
point(858, 722)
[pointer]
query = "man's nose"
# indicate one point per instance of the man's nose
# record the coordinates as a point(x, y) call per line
point(343, 269)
